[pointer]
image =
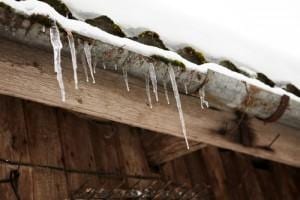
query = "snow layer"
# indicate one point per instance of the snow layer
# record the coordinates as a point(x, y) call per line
point(263, 35)
point(30, 7)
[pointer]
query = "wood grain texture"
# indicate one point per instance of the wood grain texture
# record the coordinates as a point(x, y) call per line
point(28, 73)
point(161, 148)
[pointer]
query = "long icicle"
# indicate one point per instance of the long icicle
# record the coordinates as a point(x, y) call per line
point(178, 103)
point(147, 80)
point(88, 55)
point(73, 56)
point(166, 92)
point(57, 46)
point(153, 80)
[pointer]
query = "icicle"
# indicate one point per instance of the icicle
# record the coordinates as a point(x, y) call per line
point(73, 56)
point(203, 102)
point(153, 80)
point(44, 29)
point(147, 78)
point(83, 62)
point(87, 51)
point(116, 67)
point(178, 103)
point(125, 76)
point(166, 92)
point(103, 65)
point(95, 64)
point(57, 46)
point(186, 89)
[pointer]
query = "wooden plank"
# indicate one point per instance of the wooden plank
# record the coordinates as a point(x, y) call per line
point(163, 148)
point(77, 151)
point(235, 176)
point(45, 149)
point(14, 147)
point(216, 172)
point(131, 154)
point(104, 139)
point(28, 73)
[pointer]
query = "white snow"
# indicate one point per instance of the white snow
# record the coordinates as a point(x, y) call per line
point(204, 33)
point(57, 46)
point(178, 103)
point(263, 35)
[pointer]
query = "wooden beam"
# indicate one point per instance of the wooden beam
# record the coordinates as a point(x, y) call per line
point(161, 148)
point(27, 73)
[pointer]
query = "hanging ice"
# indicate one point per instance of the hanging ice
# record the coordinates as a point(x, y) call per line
point(103, 65)
point(57, 46)
point(186, 89)
point(153, 80)
point(178, 103)
point(95, 64)
point(166, 92)
point(125, 76)
point(147, 79)
point(203, 102)
point(116, 67)
point(88, 55)
point(73, 56)
point(83, 62)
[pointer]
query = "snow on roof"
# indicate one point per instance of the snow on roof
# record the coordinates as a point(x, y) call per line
point(175, 28)
point(260, 35)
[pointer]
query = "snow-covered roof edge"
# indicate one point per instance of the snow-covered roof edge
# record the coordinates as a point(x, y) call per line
point(33, 7)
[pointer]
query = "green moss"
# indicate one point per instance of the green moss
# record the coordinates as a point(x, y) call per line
point(41, 20)
point(107, 25)
point(169, 61)
point(192, 55)
point(292, 89)
point(229, 65)
point(263, 78)
point(150, 38)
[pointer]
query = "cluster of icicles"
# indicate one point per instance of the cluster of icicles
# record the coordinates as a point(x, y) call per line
point(86, 59)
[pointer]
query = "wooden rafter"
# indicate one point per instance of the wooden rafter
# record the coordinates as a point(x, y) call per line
point(27, 73)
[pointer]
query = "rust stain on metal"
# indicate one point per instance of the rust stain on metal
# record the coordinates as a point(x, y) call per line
point(284, 103)
point(251, 91)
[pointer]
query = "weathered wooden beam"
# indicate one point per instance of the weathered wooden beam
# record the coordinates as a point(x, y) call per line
point(161, 148)
point(27, 73)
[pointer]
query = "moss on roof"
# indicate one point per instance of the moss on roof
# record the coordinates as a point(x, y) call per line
point(168, 61)
point(107, 25)
point(150, 38)
point(229, 65)
point(60, 7)
point(192, 55)
point(292, 89)
point(263, 78)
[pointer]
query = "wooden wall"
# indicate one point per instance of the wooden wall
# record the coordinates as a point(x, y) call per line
point(57, 149)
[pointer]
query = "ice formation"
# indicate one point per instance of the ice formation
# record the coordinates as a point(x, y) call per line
point(166, 92)
point(73, 56)
point(125, 76)
point(178, 103)
point(147, 80)
point(88, 55)
point(153, 80)
point(203, 102)
point(57, 46)
point(83, 62)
